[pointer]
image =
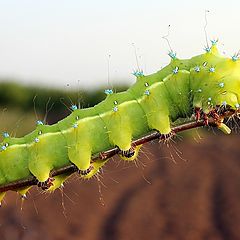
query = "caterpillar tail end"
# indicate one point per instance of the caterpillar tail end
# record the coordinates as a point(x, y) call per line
point(224, 128)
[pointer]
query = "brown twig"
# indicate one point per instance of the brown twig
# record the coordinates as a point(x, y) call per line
point(104, 155)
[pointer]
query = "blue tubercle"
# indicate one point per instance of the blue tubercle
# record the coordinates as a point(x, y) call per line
point(224, 103)
point(221, 84)
point(39, 122)
point(147, 92)
point(108, 91)
point(207, 49)
point(115, 109)
point(74, 107)
point(5, 134)
point(211, 69)
point(235, 57)
point(172, 55)
point(175, 70)
point(75, 125)
point(3, 148)
point(138, 73)
point(214, 42)
point(197, 69)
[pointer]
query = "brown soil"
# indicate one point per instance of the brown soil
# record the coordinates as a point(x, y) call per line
point(195, 198)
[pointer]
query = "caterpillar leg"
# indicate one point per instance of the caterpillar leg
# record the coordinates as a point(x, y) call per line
point(96, 166)
point(218, 119)
point(130, 154)
point(197, 114)
point(166, 136)
point(87, 171)
point(58, 182)
point(47, 184)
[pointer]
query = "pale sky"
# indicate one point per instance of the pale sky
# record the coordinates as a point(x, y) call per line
point(56, 42)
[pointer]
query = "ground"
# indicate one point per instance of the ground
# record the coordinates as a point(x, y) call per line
point(198, 197)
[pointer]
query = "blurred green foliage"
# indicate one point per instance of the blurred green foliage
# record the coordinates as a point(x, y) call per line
point(13, 95)
point(21, 105)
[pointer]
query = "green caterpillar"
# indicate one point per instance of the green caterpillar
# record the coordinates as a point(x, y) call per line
point(207, 85)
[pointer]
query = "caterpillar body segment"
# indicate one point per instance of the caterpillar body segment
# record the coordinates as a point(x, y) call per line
point(13, 164)
point(46, 152)
point(208, 84)
point(156, 108)
point(125, 120)
point(178, 91)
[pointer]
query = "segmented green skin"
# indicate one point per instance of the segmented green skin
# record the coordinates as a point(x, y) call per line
point(153, 102)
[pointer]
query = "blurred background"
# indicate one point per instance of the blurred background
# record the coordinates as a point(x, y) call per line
point(57, 53)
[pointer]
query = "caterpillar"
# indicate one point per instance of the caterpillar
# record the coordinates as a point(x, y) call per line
point(205, 87)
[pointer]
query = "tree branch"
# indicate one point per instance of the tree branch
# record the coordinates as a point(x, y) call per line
point(104, 155)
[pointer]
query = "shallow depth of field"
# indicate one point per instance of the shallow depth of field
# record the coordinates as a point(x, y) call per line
point(57, 53)
point(189, 189)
